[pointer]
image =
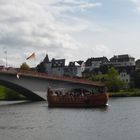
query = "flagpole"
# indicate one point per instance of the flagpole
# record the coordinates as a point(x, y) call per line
point(5, 58)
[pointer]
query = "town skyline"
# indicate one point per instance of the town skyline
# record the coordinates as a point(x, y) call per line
point(75, 30)
point(31, 59)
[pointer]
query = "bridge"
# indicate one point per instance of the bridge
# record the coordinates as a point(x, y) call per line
point(34, 85)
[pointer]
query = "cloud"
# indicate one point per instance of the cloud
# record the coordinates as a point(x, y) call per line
point(101, 50)
point(137, 3)
point(72, 6)
point(90, 5)
point(42, 27)
point(2, 63)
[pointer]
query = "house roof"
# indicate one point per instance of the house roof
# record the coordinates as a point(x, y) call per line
point(138, 62)
point(90, 60)
point(73, 64)
point(46, 59)
point(58, 62)
point(124, 56)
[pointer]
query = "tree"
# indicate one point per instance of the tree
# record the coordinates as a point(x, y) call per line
point(99, 77)
point(41, 67)
point(137, 78)
point(111, 79)
point(113, 82)
point(11, 95)
point(24, 66)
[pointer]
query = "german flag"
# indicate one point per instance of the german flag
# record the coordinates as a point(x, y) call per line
point(32, 56)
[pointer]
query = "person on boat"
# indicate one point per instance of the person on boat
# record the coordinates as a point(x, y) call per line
point(48, 92)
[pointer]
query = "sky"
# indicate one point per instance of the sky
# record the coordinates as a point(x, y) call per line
point(70, 29)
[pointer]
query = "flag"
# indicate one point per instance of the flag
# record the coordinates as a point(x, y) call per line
point(32, 56)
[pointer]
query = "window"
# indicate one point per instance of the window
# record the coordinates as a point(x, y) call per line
point(126, 80)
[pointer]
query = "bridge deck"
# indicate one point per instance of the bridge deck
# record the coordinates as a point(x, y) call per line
point(52, 77)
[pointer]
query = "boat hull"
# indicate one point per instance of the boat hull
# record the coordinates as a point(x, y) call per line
point(80, 101)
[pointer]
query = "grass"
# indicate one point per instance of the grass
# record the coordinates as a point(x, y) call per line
point(126, 93)
point(2, 93)
point(8, 94)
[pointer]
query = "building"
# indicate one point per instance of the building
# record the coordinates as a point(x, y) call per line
point(73, 69)
point(97, 62)
point(125, 64)
point(122, 60)
point(138, 64)
point(57, 67)
point(93, 65)
point(53, 67)
point(47, 65)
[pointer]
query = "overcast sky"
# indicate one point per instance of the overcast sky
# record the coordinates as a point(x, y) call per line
point(71, 29)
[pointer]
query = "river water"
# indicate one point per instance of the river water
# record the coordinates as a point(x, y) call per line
point(35, 121)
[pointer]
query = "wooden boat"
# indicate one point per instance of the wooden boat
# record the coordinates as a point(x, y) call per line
point(81, 98)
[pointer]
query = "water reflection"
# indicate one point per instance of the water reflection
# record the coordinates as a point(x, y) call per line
point(7, 103)
point(34, 121)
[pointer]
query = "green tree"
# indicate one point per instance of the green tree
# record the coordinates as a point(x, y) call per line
point(137, 78)
point(11, 95)
point(98, 77)
point(111, 79)
point(113, 82)
point(24, 66)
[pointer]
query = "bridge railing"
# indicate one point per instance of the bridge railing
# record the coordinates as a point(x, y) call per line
point(62, 78)
point(54, 77)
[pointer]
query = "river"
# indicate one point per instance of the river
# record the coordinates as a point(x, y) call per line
point(35, 121)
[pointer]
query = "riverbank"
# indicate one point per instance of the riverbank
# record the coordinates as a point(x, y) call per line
point(126, 93)
point(8, 94)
